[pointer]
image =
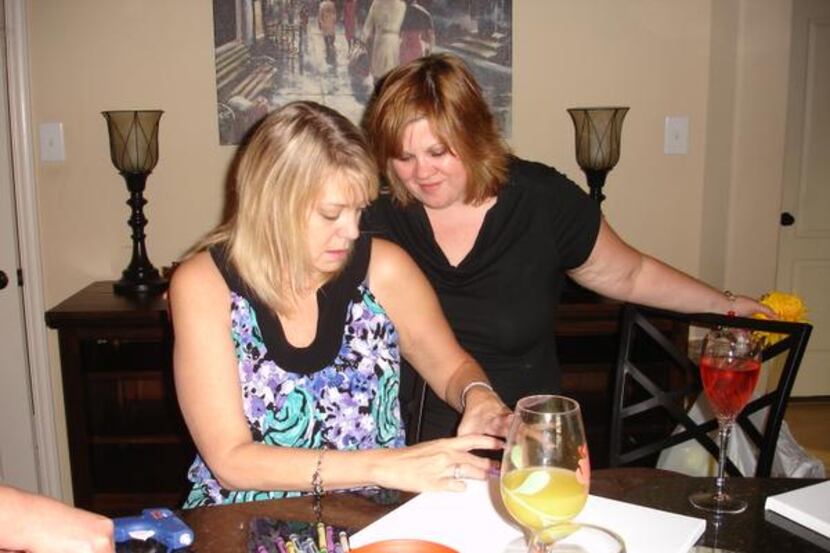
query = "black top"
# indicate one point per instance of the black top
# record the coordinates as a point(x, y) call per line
point(499, 300)
point(333, 299)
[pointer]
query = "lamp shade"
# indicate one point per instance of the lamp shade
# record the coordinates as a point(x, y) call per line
point(134, 146)
point(597, 133)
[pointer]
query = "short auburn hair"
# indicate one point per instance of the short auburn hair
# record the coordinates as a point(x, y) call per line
point(441, 89)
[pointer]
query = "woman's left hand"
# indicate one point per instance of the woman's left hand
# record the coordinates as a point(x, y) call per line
point(484, 413)
point(744, 306)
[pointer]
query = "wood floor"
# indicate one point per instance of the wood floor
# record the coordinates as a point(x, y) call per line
point(809, 421)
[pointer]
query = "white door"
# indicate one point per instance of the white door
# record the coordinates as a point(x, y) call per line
point(804, 246)
point(18, 460)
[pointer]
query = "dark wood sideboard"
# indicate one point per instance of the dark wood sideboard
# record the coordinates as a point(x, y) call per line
point(128, 445)
point(129, 448)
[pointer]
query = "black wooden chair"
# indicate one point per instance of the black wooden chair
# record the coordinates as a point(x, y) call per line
point(413, 394)
point(656, 382)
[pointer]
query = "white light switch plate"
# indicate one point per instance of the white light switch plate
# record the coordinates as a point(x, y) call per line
point(51, 142)
point(676, 139)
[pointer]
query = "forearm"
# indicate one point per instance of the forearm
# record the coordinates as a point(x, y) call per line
point(616, 270)
point(10, 506)
point(24, 516)
point(427, 340)
point(659, 285)
point(18, 519)
point(468, 372)
point(258, 466)
point(467, 390)
point(426, 466)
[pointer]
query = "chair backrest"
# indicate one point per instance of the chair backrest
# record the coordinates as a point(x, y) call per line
point(414, 430)
point(412, 394)
point(656, 382)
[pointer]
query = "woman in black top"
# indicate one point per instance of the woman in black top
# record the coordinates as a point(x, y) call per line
point(496, 235)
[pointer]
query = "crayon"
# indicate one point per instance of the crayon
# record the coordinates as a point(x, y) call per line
point(344, 541)
point(309, 546)
point(280, 543)
point(321, 537)
point(294, 539)
point(330, 539)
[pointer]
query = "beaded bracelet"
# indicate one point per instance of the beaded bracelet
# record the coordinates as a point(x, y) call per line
point(317, 486)
point(732, 298)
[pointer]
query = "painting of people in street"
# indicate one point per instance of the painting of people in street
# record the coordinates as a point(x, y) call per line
point(271, 52)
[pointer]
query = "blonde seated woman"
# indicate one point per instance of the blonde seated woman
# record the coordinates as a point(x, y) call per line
point(290, 326)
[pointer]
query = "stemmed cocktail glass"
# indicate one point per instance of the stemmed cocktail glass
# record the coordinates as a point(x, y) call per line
point(729, 366)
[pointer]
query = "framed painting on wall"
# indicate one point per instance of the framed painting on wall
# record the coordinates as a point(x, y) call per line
point(271, 52)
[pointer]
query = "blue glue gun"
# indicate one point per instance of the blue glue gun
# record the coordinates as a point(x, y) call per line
point(160, 524)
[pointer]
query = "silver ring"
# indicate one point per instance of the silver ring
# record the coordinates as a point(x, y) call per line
point(456, 472)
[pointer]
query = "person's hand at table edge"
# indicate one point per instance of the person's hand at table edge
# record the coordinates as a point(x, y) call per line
point(484, 413)
point(435, 465)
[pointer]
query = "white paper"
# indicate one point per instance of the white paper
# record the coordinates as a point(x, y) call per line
point(808, 506)
point(475, 522)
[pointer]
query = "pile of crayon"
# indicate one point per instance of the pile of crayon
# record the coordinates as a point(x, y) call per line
point(269, 536)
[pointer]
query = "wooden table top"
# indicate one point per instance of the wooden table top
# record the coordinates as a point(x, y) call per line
point(226, 529)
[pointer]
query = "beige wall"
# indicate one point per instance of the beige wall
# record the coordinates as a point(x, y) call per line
point(572, 53)
point(721, 63)
point(92, 55)
point(719, 135)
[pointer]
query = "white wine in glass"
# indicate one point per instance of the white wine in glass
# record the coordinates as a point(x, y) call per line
point(546, 471)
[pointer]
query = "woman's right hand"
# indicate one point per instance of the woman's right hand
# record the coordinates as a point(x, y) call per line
point(436, 465)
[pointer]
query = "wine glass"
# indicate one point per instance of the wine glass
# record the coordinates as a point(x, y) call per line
point(730, 363)
point(545, 472)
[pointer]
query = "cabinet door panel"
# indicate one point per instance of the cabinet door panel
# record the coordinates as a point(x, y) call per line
point(126, 354)
point(132, 404)
point(140, 468)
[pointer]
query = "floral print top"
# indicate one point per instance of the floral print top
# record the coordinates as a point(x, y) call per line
point(348, 403)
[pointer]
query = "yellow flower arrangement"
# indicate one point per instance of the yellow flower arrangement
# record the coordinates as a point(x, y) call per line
point(788, 307)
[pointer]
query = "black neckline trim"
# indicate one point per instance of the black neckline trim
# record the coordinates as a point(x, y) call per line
point(333, 300)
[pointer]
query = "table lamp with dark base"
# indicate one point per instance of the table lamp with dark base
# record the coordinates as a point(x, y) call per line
point(597, 135)
point(134, 151)
point(597, 132)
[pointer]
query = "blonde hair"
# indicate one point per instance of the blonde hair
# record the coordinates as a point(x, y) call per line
point(441, 89)
point(281, 172)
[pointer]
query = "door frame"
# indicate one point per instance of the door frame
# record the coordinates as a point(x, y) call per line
point(25, 205)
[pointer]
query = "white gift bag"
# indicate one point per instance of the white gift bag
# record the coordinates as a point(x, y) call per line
point(791, 460)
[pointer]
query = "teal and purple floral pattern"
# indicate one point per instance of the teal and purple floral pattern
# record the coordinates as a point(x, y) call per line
point(350, 404)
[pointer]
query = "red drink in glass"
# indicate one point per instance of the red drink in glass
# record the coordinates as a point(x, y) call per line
point(729, 383)
point(729, 367)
